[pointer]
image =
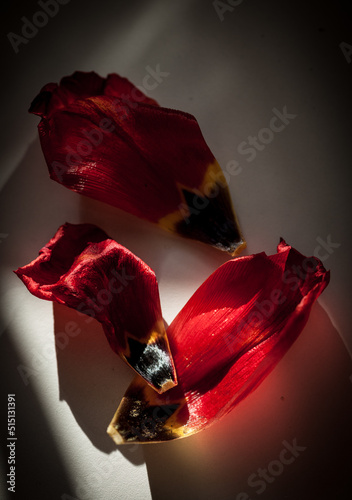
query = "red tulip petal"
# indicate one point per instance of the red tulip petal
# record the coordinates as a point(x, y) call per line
point(112, 143)
point(120, 87)
point(225, 341)
point(53, 97)
point(84, 269)
point(83, 85)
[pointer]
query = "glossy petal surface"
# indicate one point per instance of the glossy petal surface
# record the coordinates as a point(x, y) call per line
point(84, 269)
point(105, 139)
point(225, 341)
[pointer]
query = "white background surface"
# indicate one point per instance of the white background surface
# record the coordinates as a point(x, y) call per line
point(230, 74)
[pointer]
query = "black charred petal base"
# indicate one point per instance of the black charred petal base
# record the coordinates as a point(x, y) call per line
point(153, 362)
point(211, 220)
point(137, 421)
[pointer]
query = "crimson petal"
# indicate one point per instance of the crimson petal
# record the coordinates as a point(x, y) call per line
point(84, 269)
point(105, 139)
point(225, 341)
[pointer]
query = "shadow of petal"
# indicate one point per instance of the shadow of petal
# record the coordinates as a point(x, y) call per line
point(304, 405)
point(40, 471)
point(92, 378)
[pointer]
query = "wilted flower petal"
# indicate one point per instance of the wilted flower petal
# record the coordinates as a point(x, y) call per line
point(105, 139)
point(225, 341)
point(84, 269)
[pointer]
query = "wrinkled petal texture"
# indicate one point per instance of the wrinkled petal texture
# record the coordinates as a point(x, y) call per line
point(239, 323)
point(80, 85)
point(84, 269)
point(105, 139)
point(227, 339)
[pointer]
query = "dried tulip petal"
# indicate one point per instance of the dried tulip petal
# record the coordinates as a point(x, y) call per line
point(84, 269)
point(225, 341)
point(105, 139)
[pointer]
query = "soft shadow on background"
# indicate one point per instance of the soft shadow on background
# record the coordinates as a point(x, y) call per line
point(307, 399)
point(230, 74)
point(158, 248)
point(41, 471)
point(92, 378)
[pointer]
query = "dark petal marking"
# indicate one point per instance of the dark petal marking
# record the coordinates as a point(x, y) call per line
point(139, 422)
point(152, 361)
point(211, 220)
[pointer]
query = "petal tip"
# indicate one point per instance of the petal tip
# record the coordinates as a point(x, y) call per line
point(143, 416)
point(153, 361)
point(282, 246)
point(167, 385)
point(238, 248)
point(115, 435)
